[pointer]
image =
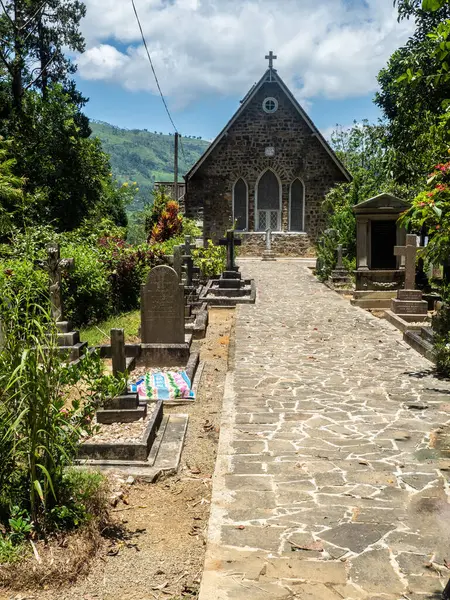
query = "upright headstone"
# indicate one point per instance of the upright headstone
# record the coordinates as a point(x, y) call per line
point(340, 254)
point(162, 307)
point(230, 242)
point(340, 277)
point(410, 253)
point(55, 265)
point(409, 303)
point(178, 260)
point(119, 361)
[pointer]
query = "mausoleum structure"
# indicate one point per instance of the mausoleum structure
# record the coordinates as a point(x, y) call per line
point(379, 271)
point(270, 167)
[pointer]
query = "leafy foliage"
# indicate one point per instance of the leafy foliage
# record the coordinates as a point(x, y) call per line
point(363, 151)
point(39, 427)
point(211, 259)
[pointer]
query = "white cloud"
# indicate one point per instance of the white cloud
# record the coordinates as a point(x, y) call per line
point(330, 48)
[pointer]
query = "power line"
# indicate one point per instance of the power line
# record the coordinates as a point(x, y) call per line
point(153, 68)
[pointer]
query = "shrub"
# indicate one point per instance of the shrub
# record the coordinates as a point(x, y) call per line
point(212, 260)
point(127, 267)
point(170, 223)
point(87, 289)
point(83, 498)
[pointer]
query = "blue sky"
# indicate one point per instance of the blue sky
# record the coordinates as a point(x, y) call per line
point(208, 53)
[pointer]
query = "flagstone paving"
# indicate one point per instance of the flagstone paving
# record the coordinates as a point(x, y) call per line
point(332, 480)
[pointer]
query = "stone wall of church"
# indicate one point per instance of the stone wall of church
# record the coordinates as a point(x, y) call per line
point(283, 244)
point(241, 153)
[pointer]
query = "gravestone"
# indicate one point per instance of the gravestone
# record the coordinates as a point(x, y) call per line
point(230, 242)
point(340, 277)
point(178, 261)
point(119, 361)
point(268, 255)
point(68, 340)
point(162, 307)
point(409, 301)
point(54, 266)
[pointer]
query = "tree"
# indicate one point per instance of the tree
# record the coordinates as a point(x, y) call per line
point(364, 152)
point(35, 36)
point(412, 99)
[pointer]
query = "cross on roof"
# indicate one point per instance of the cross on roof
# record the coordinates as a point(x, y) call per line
point(410, 253)
point(271, 57)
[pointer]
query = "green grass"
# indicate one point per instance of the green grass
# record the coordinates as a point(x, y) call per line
point(99, 334)
point(10, 552)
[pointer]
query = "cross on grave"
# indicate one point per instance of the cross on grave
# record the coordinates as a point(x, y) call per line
point(340, 253)
point(55, 266)
point(230, 242)
point(271, 57)
point(189, 262)
point(409, 252)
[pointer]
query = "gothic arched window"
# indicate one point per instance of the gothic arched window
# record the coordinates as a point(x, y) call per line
point(268, 202)
point(240, 199)
point(297, 206)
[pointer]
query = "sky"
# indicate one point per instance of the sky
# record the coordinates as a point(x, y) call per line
point(208, 53)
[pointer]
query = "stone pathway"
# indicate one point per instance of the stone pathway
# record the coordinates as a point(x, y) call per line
point(330, 483)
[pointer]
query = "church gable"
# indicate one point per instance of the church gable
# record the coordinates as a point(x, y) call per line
point(270, 113)
point(269, 167)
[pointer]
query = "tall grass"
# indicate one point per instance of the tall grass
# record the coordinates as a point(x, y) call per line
point(39, 429)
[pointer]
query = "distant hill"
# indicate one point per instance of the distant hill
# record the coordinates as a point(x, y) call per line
point(145, 157)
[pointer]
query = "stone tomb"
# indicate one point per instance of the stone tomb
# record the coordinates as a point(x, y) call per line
point(379, 271)
point(230, 289)
point(163, 340)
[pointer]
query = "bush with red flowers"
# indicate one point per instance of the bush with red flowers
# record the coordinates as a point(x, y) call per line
point(431, 210)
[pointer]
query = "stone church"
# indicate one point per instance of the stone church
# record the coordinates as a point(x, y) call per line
point(269, 167)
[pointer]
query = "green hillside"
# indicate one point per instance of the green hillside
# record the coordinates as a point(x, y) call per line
point(145, 157)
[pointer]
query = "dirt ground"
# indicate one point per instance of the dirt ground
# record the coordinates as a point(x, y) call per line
point(161, 554)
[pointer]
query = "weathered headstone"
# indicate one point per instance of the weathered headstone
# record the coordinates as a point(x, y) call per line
point(268, 255)
point(162, 307)
point(230, 242)
point(410, 253)
point(340, 253)
point(178, 260)
point(409, 303)
point(119, 361)
point(55, 265)
point(340, 277)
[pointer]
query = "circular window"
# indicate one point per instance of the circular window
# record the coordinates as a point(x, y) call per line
point(270, 105)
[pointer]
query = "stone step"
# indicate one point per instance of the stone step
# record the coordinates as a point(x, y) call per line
point(122, 415)
point(230, 293)
point(127, 401)
point(374, 303)
point(73, 352)
point(411, 307)
point(416, 341)
point(68, 339)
